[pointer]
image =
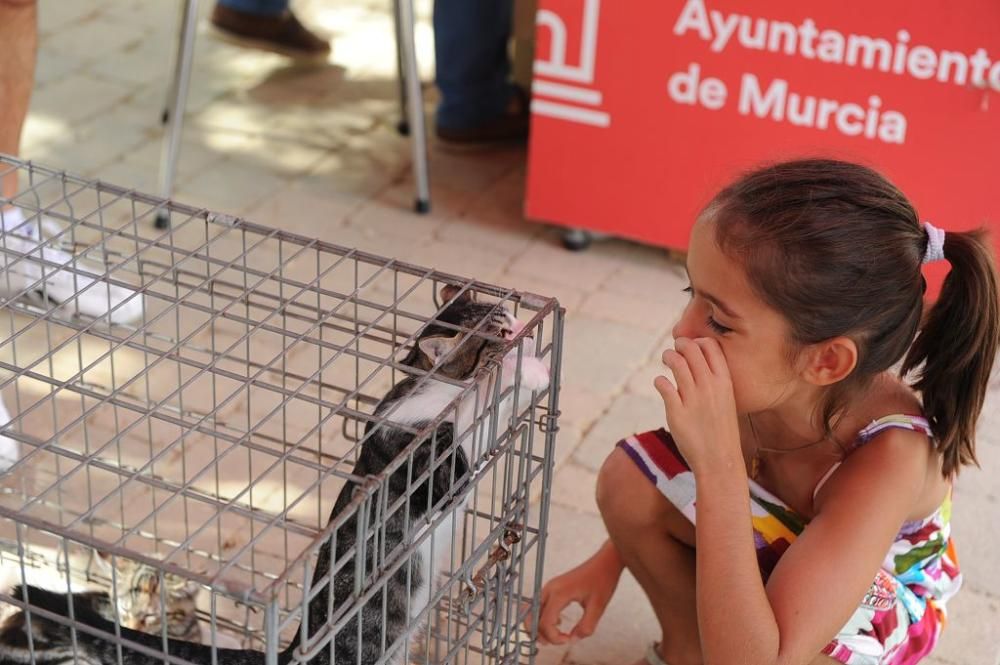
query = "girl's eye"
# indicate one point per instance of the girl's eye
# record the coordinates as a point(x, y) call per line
point(718, 327)
point(712, 323)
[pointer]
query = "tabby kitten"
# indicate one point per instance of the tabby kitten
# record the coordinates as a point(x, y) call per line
point(138, 600)
point(412, 402)
point(140, 603)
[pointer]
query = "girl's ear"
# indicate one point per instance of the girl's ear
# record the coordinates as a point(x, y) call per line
point(830, 361)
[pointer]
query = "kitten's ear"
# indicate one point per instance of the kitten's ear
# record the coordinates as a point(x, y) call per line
point(448, 291)
point(103, 561)
point(437, 347)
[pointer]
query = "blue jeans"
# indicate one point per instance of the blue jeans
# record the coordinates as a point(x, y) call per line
point(470, 44)
point(263, 7)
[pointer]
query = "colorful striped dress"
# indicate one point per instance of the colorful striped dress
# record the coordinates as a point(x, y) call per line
point(899, 620)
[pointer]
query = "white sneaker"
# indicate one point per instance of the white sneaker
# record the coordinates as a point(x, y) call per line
point(9, 450)
point(69, 289)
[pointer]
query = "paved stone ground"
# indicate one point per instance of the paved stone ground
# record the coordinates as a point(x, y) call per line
point(314, 151)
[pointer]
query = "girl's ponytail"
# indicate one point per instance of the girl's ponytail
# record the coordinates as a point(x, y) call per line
point(954, 351)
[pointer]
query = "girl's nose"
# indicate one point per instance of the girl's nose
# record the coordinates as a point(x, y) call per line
point(685, 327)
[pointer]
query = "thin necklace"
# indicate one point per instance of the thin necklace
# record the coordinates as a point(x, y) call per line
point(756, 462)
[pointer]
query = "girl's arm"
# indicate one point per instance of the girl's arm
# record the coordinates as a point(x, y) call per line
point(820, 580)
point(822, 577)
point(735, 620)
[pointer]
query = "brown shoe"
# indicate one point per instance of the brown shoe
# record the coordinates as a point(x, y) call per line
point(510, 127)
point(280, 33)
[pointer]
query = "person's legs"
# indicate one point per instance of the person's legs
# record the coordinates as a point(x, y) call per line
point(26, 257)
point(268, 25)
point(656, 543)
point(18, 47)
point(470, 41)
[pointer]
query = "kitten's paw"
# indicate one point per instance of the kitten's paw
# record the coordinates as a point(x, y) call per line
point(219, 639)
point(534, 374)
point(529, 346)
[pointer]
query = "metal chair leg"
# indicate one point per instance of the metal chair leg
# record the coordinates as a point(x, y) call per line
point(414, 100)
point(173, 113)
point(403, 126)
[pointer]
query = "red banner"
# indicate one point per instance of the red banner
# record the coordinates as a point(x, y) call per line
point(643, 110)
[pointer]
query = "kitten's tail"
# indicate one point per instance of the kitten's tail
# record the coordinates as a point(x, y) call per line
point(52, 642)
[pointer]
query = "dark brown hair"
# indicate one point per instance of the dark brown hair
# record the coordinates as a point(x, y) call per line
point(837, 249)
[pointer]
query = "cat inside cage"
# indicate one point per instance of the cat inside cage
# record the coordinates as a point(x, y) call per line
point(421, 552)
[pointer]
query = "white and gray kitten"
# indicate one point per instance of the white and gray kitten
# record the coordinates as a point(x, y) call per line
point(140, 601)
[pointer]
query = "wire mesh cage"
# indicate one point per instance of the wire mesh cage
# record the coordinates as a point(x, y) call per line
point(225, 434)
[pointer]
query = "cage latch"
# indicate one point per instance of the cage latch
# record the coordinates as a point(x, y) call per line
point(549, 422)
point(475, 585)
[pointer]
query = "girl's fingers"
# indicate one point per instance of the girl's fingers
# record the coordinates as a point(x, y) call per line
point(693, 354)
point(713, 355)
point(668, 392)
point(588, 622)
point(682, 372)
point(548, 618)
point(543, 603)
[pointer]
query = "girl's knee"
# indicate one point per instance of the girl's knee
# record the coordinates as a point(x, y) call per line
point(624, 493)
point(628, 499)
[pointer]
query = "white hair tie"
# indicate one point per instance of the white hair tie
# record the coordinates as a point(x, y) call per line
point(935, 243)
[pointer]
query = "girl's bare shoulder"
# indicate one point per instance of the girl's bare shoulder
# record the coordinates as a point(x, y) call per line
point(898, 456)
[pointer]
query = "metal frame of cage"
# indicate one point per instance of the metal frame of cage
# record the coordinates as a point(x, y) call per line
point(180, 442)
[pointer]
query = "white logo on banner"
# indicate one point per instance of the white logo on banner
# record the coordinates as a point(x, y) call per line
point(555, 67)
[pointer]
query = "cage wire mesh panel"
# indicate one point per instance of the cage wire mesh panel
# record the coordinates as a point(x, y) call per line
point(193, 400)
